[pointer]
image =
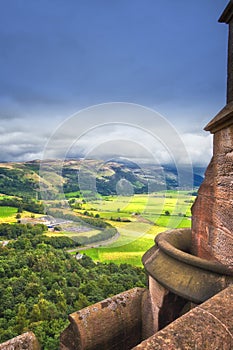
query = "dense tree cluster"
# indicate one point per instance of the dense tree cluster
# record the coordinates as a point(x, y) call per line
point(104, 235)
point(41, 285)
point(31, 242)
point(91, 221)
point(28, 235)
point(9, 231)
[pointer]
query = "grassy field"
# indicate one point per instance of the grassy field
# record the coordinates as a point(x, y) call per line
point(151, 206)
point(149, 215)
point(126, 249)
point(8, 214)
point(72, 233)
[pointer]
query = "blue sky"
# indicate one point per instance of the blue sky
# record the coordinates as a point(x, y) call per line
point(57, 57)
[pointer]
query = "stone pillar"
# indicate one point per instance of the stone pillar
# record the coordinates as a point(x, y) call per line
point(151, 308)
point(227, 17)
point(212, 223)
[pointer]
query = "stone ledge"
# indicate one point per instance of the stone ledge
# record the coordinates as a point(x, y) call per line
point(208, 326)
point(222, 120)
point(25, 341)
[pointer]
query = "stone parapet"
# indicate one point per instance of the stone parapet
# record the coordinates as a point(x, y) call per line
point(112, 324)
point(207, 326)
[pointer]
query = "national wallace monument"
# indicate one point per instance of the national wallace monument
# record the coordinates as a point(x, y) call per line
point(189, 301)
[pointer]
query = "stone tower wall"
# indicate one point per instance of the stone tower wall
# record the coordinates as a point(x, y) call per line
point(212, 223)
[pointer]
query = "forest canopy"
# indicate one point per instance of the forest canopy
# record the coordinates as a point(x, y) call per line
point(40, 285)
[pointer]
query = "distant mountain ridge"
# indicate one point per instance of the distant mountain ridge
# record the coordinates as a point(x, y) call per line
point(112, 177)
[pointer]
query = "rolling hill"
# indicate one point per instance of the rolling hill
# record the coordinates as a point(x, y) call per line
point(24, 179)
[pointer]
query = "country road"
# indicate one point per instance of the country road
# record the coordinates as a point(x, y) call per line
point(97, 244)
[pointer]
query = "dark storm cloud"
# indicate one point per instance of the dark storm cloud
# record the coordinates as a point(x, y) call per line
point(59, 56)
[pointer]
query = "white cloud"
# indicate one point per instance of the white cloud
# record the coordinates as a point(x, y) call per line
point(199, 147)
point(123, 130)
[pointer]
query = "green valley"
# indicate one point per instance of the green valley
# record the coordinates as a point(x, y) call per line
point(46, 221)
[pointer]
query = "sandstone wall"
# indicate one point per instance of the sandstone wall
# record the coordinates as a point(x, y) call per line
point(212, 222)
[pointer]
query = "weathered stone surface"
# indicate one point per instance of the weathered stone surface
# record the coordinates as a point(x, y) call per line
point(208, 326)
point(26, 341)
point(113, 324)
point(183, 274)
point(212, 222)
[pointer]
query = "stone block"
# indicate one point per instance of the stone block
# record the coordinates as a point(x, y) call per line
point(112, 324)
